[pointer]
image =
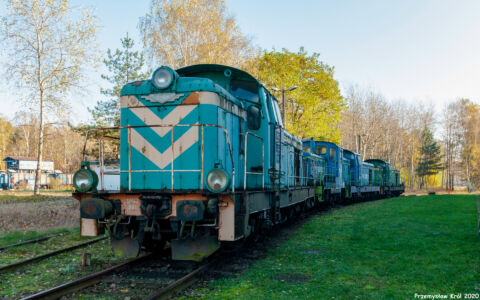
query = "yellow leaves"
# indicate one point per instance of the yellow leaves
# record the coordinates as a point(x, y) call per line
point(185, 32)
point(313, 109)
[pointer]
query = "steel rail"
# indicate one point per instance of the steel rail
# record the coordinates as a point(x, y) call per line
point(82, 282)
point(40, 239)
point(180, 284)
point(49, 254)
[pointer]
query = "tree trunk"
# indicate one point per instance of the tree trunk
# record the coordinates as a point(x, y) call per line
point(36, 189)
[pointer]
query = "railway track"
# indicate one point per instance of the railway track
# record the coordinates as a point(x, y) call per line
point(49, 254)
point(33, 241)
point(180, 284)
point(150, 277)
point(83, 282)
point(125, 269)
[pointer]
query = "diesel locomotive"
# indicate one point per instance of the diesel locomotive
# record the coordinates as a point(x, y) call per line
point(205, 159)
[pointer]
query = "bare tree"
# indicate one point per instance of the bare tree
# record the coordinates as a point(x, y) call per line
point(378, 128)
point(48, 43)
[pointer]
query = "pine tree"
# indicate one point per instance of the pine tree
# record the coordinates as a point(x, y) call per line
point(430, 157)
point(125, 66)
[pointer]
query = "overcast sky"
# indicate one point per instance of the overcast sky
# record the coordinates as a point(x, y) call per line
point(416, 50)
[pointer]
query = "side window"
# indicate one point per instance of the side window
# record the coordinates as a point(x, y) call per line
point(333, 154)
point(254, 117)
point(306, 149)
point(321, 150)
point(276, 111)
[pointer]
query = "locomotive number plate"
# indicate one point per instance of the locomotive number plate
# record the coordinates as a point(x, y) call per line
point(131, 207)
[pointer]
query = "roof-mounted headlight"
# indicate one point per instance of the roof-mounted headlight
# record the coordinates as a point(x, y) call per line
point(163, 77)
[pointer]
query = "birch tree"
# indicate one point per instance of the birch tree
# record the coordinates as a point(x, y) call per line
point(184, 32)
point(48, 44)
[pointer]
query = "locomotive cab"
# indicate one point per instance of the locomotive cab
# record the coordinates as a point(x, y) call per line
point(351, 173)
point(333, 179)
point(204, 159)
point(203, 153)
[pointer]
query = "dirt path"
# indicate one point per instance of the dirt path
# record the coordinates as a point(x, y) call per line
point(58, 211)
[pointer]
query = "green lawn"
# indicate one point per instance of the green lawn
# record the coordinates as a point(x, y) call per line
point(387, 249)
point(25, 235)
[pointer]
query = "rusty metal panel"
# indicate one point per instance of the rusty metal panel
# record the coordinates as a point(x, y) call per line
point(176, 198)
point(130, 204)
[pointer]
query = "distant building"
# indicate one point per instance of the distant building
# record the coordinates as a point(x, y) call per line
point(26, 164)
point(22, 169)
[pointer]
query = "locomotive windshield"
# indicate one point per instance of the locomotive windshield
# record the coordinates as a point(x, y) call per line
point(246, 90)
point(321, 150)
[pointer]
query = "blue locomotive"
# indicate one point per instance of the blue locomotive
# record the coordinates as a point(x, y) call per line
point(347, 178)
point(205, 159)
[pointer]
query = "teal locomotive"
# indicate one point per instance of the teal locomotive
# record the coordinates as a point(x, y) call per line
point(205, 159)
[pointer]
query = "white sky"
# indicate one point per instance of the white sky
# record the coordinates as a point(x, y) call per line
point(417, 50)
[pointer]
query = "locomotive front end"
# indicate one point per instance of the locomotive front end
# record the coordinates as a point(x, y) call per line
point(179, 145)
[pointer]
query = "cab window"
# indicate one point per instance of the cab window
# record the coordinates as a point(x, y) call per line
point(321, 150)
point(306, 149)
point(246, 90)
point(276, 111)
point(333, 154)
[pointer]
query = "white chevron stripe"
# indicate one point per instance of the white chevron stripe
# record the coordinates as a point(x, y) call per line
point(150, 118)
point(163, 159)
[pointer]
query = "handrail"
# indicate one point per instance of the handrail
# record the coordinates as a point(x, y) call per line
point(245, 162)
point(172, 169)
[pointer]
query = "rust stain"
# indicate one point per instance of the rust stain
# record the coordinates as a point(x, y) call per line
point(191, 99)
point(176, 198)
point(130, 204)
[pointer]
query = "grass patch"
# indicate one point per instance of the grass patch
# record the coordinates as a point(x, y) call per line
point(387, 249)
point(52, 271)
point(68, 237)
point(21, 236)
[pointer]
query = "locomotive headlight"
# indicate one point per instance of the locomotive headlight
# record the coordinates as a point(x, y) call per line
point(163, 77)
point(217, 180)
point(84, 179)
